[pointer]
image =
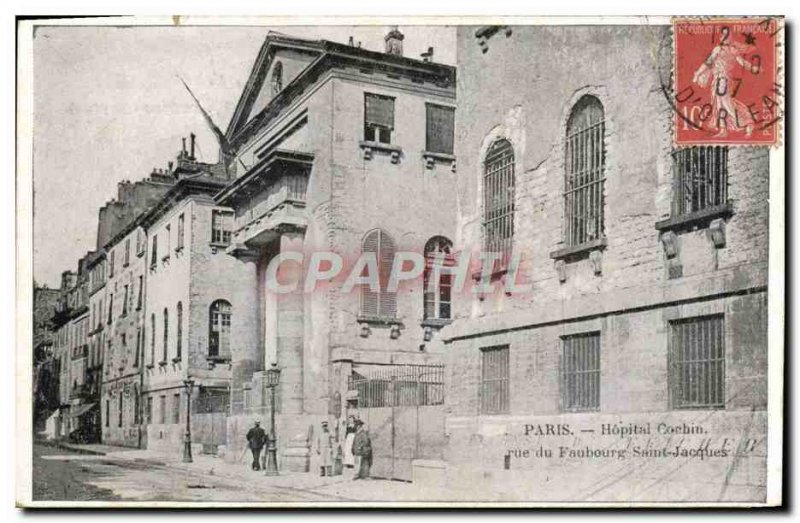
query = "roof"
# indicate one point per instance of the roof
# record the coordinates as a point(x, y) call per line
point(258, 175)
point(329, 55)
point(201, 183)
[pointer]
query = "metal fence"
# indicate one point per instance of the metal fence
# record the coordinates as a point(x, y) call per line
point(398, 385)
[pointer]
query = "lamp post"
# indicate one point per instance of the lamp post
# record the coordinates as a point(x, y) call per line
point(187, 436)
point(273, 377)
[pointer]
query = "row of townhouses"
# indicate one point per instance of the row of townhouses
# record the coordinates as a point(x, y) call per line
point(646, 265)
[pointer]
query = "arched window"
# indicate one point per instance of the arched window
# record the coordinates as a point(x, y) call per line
point(277, 78)
point(219, 329)
point(380, 304)
point(166, 334)
point(179, 331)
point(437, 294)
point(585, 172)
point(152, 339)
point(498, 199)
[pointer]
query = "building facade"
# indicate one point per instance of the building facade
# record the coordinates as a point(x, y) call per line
point(647, 269)
point(332, 143)
point(193, 292)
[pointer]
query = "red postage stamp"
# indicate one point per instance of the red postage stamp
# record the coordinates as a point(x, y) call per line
point(727, 89)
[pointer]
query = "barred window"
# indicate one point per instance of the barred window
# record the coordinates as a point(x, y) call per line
point(498, 198)
point(584, 200)
point(580, 372)
point(440, 121)
point(221, 227)
point(380, 303)
point(494, 380)
point(437, 294)
point(700, 178)
point(697, 363)
point(378, 118)
point(219, 335)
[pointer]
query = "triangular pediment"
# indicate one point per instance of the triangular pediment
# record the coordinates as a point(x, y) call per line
point(294, 55)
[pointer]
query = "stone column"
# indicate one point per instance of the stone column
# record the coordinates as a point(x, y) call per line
point(289, 316)
point(246, 352)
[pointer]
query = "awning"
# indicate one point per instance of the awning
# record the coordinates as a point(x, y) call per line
point(81, 410)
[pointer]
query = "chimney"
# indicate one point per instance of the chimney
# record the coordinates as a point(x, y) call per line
point(192, 138)
point(183, 147)
point(428, 55)
point(394, 41)
point(350, 42)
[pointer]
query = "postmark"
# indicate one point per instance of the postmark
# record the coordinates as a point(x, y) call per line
point(726, 81)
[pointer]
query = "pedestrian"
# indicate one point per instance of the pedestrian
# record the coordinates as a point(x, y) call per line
point(362, 447)
point(324, 451)
point(349, 436)
point(256, 437)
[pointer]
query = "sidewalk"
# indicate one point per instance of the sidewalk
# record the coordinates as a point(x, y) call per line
point(343, 487)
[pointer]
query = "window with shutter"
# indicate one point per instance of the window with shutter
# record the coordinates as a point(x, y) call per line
point(381, 304)
point(440, 121)
point(378, 118)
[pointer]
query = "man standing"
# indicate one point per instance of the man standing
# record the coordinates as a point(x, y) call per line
point(324, 451)
point(362, 447)
point(255, 439)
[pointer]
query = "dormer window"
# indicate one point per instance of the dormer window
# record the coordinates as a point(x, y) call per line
point(277, 78)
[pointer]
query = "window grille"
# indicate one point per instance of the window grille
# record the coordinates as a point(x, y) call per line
point(697, 363)
point(219, 336)
point(437, 295)
point(498, 199)
point(221, 226)
point(440, 123)
point(701, 179)
point(494, 397)
point(584, 200)
point(580, 372)
point(378, 118)
point(380, 304)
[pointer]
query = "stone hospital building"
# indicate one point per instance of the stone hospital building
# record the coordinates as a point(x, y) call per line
point(338, 148)
point(647, 266)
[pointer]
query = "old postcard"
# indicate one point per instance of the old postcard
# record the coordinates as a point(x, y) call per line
point(400, 263)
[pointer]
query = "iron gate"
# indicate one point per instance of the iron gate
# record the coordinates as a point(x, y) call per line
point(403, 407)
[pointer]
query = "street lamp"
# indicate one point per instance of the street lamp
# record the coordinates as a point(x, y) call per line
point(187, 436)
point(273, 377)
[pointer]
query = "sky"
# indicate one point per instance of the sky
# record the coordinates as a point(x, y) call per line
point(108, 107)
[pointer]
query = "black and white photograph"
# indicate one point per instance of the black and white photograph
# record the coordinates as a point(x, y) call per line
point(500, 262)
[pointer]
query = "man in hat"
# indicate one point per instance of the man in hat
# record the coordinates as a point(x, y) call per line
point(324, 451)
point(362, 447)
point(256, 437)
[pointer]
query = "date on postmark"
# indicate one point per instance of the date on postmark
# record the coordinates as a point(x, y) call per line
point(726, 83)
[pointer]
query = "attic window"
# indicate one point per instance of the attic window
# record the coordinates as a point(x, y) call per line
point(277, 78)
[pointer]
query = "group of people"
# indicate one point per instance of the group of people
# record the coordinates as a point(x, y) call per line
point(357, 448)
